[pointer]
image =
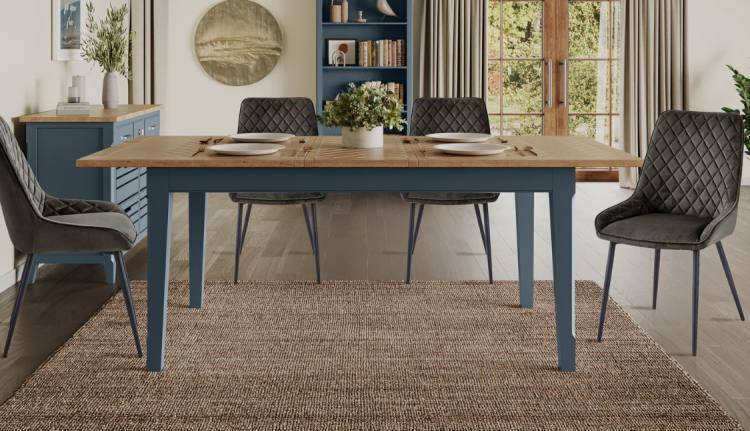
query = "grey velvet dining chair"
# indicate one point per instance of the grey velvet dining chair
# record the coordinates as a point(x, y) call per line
point(449, 115)
point(686, 198)
point(40, 223)
point(294, 116)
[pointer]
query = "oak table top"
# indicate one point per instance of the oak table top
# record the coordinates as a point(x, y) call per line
point(327, 151)
point(98, 115)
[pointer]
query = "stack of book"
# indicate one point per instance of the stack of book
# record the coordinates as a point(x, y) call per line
point(395, 88)
point(73, 108)
point(382, 53)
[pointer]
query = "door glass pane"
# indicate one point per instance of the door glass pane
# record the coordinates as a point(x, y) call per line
point(588, 86)
point(590, 126)
point(495, 86)
point(519, 125)
point(522, 89)
point(522, 29)
point(590, 29)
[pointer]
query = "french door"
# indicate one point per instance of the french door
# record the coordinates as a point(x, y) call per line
point(553, 67)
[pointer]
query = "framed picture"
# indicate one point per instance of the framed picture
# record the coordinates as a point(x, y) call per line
point(342, 52)
point(68, 17)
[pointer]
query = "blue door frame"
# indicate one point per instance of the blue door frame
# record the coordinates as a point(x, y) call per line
point(559, 183)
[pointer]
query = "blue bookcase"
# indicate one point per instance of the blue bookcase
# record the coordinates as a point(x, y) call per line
point(332, 80)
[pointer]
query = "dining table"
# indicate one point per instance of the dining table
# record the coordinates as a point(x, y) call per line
point(533, 164)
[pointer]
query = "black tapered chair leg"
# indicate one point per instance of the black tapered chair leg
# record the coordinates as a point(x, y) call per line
point(696, 296)
point(316, 248)
point(605, 292)
point(237, 244)
point(19, 301)
point(488, 240)
point(412, 209)
point(308, 226)
point(730, 279)
point(481, 226)
point(416, 228)
point(126, 293)
point(657, 264)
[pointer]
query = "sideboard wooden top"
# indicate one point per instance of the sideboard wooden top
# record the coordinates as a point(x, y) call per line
point(98, 115)
point(318, 152)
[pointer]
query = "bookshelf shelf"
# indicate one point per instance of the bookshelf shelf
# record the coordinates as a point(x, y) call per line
point(331, 80)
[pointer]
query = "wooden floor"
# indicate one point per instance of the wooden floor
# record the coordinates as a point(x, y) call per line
point(364, 237)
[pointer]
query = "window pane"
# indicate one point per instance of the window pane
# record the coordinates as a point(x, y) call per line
point(616, 30)
point(522, 29)
point(494, 86)
point(494, 33)
point(589, 29)
point(588, 86)
point(616, 132)
point(516, 125)
point(522, 85)
point(590, 126)
point(616, 99)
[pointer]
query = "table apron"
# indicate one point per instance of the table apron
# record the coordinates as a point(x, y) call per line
point(357, 179)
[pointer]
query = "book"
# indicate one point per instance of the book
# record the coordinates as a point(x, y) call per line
point(73, 108)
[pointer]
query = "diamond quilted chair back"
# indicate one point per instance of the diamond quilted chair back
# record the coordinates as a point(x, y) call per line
point(283, 115)
point(449, 115)
point(694, 164)
point(21, 196)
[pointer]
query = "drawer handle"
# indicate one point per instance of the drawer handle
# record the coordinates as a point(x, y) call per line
point(141, 132)
point(153, 127)
point(124, 138)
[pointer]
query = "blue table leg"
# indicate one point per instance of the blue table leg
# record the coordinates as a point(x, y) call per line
point(159, 235)
point(525, 247)
point(561, 216)
point(197, 232)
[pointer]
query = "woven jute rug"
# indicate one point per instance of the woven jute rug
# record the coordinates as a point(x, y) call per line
point(362, 356)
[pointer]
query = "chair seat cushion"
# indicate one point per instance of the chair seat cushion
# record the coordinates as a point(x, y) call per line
point(657, 230)
point(450, 198)
point(92, 232)
point(276, 198)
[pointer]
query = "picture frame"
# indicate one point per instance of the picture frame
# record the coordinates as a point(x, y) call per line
point(347, 46)
point(68, 25)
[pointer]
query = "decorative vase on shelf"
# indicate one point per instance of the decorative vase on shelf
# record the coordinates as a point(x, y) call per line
point(362, 138)
point(385, 8)
point(110, 93)
point(345, 11)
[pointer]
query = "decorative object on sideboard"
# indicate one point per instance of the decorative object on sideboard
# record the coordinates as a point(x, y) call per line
point(361, 17)
point(363, 111)
point(79, 81)
point(338, 47)
point(107, 43)
point(386, 9)
point(742, 84)
point(238, 42)
point(336, 11)
point(76, 101)
point(67, 18)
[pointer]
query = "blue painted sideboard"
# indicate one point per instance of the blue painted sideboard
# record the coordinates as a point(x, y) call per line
point(54, 143)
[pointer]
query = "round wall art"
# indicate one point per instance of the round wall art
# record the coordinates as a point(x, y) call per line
point(238, 42)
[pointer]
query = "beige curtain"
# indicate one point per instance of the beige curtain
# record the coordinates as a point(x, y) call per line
point(453, 49)
point(148, 21)
point(653, 78)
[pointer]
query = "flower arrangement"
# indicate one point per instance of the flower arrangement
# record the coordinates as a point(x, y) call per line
point(742, 83)
point(107, 43)
point(366, 106)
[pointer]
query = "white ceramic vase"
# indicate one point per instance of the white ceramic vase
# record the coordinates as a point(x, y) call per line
point(362, 138)
point(110, 94)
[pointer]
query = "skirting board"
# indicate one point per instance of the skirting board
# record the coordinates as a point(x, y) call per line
point(746, 172)
point(9, 279)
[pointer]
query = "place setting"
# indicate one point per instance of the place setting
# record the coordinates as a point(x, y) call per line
point(475, 144)
point(245, 144)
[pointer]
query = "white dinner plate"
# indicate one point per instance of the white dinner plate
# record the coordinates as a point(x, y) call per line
point(245, 149)
point(473, 149)
point(261, 137)
point(473, 138)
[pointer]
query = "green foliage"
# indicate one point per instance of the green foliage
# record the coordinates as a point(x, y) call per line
point(742, 83)
point(107, 42)
point(367, 105)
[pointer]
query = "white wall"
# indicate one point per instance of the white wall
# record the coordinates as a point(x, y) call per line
point(32, 82)
point(717, 35)
point(196, 104)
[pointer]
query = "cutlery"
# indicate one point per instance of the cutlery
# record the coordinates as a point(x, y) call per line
point(205, 143)
point(527, 149)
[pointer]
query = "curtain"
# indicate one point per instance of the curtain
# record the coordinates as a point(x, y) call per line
point(142, 88)
point(653, 77)
point(453, 49)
